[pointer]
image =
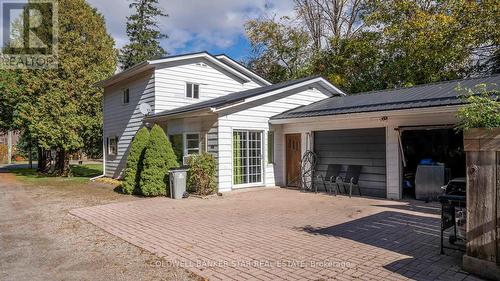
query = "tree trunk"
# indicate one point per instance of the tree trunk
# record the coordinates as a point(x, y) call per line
point(62, 163)
point(42, 160)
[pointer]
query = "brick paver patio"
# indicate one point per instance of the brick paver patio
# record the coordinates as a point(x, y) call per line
point(273, 234)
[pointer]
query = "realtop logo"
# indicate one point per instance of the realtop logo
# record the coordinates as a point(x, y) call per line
point(29, 34)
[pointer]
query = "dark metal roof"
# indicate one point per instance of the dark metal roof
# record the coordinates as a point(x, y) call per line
point(426, 95)
point(231, 98)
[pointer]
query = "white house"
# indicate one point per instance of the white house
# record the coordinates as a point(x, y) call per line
point(259, 131)
point(204, 103)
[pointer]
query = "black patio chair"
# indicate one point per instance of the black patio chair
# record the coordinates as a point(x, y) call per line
point(330, 179)
point(351, 179)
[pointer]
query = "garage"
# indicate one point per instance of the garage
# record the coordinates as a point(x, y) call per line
point(365, 147)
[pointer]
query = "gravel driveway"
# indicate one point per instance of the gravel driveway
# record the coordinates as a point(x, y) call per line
point(40, 240)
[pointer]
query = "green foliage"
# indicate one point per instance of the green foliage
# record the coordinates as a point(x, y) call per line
point(10, 90)
point(135, 162)
point(159, 158)
point(202, 173)
point(370, 45)
point(279, 49)
point(177, 146)
point(353, 65)
point(143, 33)
point(59, 108)
point(482, 109)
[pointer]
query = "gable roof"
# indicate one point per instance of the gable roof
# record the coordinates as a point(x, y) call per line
point(426, 95)
point(228, 60)
point(223, 62)
point(237, 97)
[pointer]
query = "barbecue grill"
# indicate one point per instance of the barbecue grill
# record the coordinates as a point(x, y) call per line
point(453, 212)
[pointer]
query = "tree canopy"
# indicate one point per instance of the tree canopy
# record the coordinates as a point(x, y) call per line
point(59, 108)
point(365, 45)
point(144, 33)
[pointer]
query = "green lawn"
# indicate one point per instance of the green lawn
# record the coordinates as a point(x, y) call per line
point(80, 174)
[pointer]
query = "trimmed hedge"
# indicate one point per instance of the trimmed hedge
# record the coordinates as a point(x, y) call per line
point(158, 159)
point(135, 162)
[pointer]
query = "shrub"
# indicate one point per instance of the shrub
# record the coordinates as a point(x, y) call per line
point(158, 159)
point(482, 109)
point(202, 174)
point(135, 162)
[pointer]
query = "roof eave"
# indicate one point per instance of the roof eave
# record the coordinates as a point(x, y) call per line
point(368, 114)
point(195, 113)
point(210, 58)
point(241, 67)
point(138, 68)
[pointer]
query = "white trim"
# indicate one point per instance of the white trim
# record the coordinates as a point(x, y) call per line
point(262, 173)
point(376, 114)
point(206, 56)
point(184, 142)
point(192, 90)
point(318, 80)
point(243, 69)
point(236, 70)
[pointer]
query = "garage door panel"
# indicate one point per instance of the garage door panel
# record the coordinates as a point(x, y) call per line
point(365, 147)
point(350, 154)
point(367, 169)
point(355, 133)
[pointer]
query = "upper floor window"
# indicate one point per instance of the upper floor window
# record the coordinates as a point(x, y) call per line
point(126, 96)
point(192, 91)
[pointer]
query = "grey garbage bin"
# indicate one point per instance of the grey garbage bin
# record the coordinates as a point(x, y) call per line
point(177, 179)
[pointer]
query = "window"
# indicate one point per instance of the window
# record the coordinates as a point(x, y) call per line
point(191, 144)
point(112, 146)
point(126, 96)
point(270, 147)
point(192, 91)
point(247, 157)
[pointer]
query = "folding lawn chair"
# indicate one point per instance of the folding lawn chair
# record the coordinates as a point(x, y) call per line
point(351, 179)
point(330, 179)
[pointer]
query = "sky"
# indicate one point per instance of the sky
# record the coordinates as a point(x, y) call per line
point(215, 26)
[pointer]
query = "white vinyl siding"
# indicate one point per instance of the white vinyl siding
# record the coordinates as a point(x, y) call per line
point(257, 119)
point(170, 84)
point(124, 121)
point(362, 121)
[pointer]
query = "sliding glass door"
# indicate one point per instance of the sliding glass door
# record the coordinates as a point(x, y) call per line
point(247, 157)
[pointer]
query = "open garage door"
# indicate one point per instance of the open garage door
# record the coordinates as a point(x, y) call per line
point(365, 147)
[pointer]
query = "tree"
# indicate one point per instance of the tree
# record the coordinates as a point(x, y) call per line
point(159, 158)
point(482, 109)
point(354, 65)
point(60, 108)
point(279, 50)
point(10, 90)
point(367, 45)
point(143, 33)
point(135, 162)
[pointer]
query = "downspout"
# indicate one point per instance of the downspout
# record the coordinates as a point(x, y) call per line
point(103, 157)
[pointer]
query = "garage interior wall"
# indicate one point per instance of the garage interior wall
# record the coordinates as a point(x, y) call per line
point(365, 147)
